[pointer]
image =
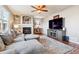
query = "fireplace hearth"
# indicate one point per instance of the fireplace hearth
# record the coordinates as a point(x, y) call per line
point(26, 30)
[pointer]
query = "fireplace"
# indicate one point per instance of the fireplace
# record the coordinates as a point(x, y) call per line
point(26, 30)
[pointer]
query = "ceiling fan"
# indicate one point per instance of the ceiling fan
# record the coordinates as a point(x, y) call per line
point(40, 8)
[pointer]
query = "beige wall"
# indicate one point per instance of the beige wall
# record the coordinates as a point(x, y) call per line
point(11, 21)
point(71, 16)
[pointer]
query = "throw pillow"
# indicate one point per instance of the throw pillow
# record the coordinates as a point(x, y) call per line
point(7, 39)
point(2, 46)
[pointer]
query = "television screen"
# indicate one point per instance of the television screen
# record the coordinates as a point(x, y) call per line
point(56, 23)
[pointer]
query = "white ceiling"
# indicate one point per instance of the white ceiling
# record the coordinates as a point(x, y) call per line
point(27, 10)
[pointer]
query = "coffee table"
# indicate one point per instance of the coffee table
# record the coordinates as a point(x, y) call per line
point(31, 37)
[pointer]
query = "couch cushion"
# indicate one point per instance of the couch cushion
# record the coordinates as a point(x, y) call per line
point(32, 46)
point(2, 46)
point(19, 38)
point(23, 47)
point(7, 39)
point(9, 51)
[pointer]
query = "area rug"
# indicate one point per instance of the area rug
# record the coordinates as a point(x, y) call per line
point(52, 46)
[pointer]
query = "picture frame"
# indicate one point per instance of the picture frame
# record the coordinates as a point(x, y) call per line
point(26, 20)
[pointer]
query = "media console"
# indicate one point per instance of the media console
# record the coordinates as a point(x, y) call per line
point(56, 34)
point(57, 28)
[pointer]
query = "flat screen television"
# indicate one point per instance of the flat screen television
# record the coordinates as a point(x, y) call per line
point(56, 23)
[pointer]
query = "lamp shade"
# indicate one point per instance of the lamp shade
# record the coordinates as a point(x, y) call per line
point(16, 26)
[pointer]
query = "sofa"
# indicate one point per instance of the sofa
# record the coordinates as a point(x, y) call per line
point(12, 44)
point(31, 44)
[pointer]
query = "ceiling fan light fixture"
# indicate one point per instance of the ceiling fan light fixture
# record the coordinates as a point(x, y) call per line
point(40, 8)
point(39, 11)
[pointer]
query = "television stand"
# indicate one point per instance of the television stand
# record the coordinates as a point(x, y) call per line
point(56, 33)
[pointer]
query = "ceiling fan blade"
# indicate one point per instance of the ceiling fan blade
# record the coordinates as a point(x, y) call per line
point(34, 7)
point(34, 10)
point(45, 10)
point(43, 6)
point(40, 8)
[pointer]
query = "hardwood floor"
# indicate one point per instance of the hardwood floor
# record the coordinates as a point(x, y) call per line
point(76, 47)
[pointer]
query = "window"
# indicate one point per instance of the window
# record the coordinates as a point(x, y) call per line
point(4, 17)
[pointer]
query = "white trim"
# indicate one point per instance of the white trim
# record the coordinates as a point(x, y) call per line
point(74, 42)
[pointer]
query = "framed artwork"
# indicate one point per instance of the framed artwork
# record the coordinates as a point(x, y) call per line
point(26, 20)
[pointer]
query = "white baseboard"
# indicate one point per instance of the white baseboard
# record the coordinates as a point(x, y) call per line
point(74, 41)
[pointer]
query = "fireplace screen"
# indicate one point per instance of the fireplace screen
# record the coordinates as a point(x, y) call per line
point(26, 30)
